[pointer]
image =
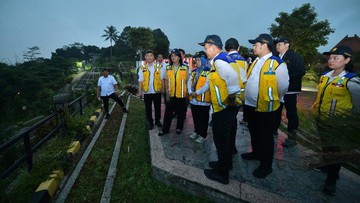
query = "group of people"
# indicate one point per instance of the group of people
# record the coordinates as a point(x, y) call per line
point(224, 81)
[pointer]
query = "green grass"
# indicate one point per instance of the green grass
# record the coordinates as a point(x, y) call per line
point(49, 157)
point(307, 83)
point(89, 185)
point(134, 182)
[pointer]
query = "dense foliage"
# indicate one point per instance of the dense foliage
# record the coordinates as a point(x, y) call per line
point(303, 29)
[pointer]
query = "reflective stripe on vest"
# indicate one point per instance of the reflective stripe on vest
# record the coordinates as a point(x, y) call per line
point(156, 78)
point(177, 81)
point(205, 97)
point(268, 98)
point(334, 98)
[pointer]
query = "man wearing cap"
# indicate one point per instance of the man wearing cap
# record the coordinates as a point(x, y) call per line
point(224, 91)
point(267, 83)
point(296, 69)
point(232, 48)
point(108, 88)
point(176, 92)
point(150, 87)
point(200, 97)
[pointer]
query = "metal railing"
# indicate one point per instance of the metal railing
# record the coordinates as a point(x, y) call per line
point(27, 136)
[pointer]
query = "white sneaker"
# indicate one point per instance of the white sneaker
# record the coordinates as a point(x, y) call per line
point(194, 135)
point(200, 139)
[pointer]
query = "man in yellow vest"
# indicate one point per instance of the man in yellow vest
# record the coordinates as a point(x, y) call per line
point(150, 87)
point(267, 83)
point(176, 78)
point(232, 48)
point(224, 91)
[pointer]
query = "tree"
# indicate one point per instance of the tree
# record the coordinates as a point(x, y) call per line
point(303, 29)
point(71, 51)
point(141, 39)
point(32, 53)
point(161, 42)
point(123, 47)
point(111, 34)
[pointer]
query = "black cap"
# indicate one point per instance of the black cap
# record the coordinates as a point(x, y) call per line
point(263, 39)
point(282, 39)
point(200, 54)
point(212, 39)
point(231, 43)
point(176, 52)
point(340, 50)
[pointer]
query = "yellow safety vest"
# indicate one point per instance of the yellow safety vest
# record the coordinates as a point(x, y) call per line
point(268, 97)
point(334, 98)
point(218, 88)
point(157, 80)
point(177, 81)
point(205, 97)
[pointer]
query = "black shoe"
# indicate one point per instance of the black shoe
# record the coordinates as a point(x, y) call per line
point(215, 165)
point(215, 175)
point(151, 126)
point(249, 156)
point(261, 172)
point(158, 124)
point(107, 116)
point(330, 186)
point(178, 131)
point(125, 110)
point(289, 143)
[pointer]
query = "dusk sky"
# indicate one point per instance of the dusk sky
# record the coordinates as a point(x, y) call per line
point(51, 24)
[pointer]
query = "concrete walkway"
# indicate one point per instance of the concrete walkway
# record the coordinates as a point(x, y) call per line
point(179, 161)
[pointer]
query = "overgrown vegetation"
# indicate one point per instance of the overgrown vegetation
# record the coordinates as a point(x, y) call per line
point(20, 186)
point(134, 182)
point(89, 185)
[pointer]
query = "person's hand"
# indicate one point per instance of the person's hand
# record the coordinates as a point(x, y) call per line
point(140, 95)
point(193, 94)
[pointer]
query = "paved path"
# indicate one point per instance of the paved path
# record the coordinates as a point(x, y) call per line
point(291, 181)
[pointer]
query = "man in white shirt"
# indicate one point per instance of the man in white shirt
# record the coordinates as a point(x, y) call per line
point(224, 86)
point(150, 88)
point(267, 83)
point(108, 88)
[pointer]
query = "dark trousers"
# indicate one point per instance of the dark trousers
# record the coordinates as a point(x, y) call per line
point(291, 111)
point(223, 128)
point(114, 97)
point(330, 148)
point(261, 127)
point(201, 119)
point(179, 106)
point(244, 113)
point(149, 99)
point(278, 118)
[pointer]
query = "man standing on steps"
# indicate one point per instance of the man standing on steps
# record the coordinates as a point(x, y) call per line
point(150, 88)
point(108, 88)
point(296, 69)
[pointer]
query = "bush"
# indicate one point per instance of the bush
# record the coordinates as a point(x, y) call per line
point(311, 75)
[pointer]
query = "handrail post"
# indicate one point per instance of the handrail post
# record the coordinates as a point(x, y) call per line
point(28, 152)
point(81, 106)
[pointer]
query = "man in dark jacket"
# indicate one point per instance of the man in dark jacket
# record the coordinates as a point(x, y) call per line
point(296, 69)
